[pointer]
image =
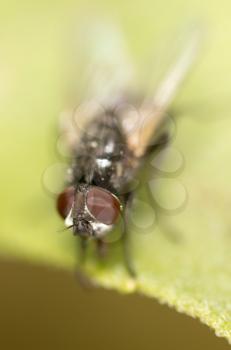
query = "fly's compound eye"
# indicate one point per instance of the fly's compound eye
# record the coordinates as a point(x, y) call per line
point(65, 201)
point(103, 205)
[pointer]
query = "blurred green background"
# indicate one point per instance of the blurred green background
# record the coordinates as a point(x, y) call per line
point(44, 308)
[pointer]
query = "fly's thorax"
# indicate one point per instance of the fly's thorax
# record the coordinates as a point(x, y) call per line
point(102, 156)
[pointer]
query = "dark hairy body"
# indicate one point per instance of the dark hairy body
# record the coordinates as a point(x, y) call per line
point(102, 157)
point(103, 164)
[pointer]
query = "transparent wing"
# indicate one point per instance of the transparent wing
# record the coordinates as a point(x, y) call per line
point(108, 70)
point(102, 76)
point(153, 110)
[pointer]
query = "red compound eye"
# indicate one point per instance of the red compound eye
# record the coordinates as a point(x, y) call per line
point(103, 205)
point(65, 201)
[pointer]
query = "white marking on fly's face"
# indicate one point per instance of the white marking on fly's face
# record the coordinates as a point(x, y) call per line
point(69, 219)
point(100, 229)
point(103, 163)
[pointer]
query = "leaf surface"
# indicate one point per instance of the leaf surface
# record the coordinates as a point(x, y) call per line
point(184, 260)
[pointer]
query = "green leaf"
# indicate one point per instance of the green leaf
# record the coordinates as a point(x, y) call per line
point(184, 260)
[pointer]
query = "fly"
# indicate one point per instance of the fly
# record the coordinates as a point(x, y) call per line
point(110, 150)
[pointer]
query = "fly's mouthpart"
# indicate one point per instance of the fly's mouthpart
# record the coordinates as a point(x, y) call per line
point(82, 228)
point(90, 229)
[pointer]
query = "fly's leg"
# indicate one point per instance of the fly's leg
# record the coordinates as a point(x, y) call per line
point(83, 250)
point(163, 136)
point(102, 248)
point(125, 238)
point(161, 142)
point(84, 282)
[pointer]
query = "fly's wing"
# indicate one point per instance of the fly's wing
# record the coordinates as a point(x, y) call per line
point(152, 111)
point(108, 69)
point(102, 77)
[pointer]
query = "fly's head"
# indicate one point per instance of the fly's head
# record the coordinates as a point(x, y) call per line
point(91, 211)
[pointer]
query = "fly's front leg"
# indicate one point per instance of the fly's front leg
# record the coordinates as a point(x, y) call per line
point(83, 280)
point(83, 250)
point(125, 238)
point(102, 248)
